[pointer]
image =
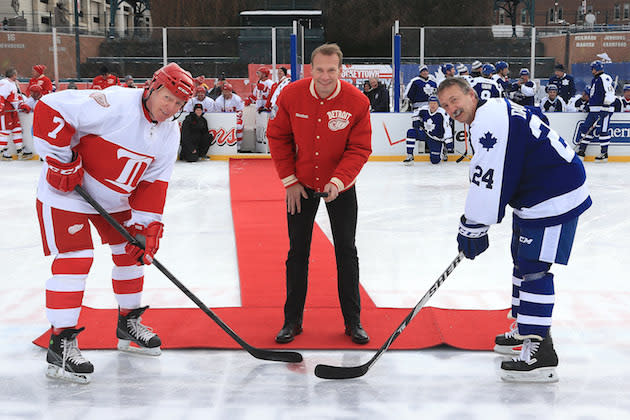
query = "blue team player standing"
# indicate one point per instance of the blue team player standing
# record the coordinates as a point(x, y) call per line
point(485, 86)
point(520, 161)
point(565, 83)
point(602, 96)
point(501, 77)
point(420, 88)
point(432, 125)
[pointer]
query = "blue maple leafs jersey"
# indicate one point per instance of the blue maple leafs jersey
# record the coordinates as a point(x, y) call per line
point(520, 161)
point(436, 125)
point(566, 85)
point(621, 104)
point(602, 93)
point(419, 89)
point(487, 88)
point(557, 105)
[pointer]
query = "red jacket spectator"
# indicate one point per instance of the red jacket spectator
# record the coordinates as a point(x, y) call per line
point(39, 79)
point(104, 80)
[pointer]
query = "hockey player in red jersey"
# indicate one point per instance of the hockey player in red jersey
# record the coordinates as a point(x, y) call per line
point(39, 79)
point(120, 145)
point(10, 103)
point(259, 97)
point(104, 80)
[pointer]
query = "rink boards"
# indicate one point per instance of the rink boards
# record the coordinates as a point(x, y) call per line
point(389, 133)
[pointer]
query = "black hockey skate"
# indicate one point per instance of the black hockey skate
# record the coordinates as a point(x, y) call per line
point(507, 343)
point(408, 160)
point(65, 360)
point(581, 154)
point(131, 330)
point(536, 363)
point(602, 157)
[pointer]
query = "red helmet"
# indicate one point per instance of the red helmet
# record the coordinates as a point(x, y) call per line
point(264, 70)
point(175, 79)
point(228, 87)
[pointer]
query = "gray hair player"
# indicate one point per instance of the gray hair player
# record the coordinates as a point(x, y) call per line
point(519, 160)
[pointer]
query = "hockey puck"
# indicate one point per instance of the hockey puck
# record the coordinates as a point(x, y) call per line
point(320, 194)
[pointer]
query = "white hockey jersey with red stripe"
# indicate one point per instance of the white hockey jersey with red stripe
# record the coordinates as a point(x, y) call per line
point(261, 92)
point(9, 96)
point(128, 159)
point(234, 104)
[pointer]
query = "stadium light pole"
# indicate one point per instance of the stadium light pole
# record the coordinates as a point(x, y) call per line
point(77, 41)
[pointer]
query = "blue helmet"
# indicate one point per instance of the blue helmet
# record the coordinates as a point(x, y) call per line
point(552, 87)
point(626, 87)
point(447, 67)
point(433, 98)
point(597, 65)
point(487, 69)
point(524, 72)
point(500, 65)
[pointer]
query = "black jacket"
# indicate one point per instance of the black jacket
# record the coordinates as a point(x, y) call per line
point(195, 139)
point(379, 99)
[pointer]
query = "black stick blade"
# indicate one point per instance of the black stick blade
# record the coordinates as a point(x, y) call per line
point(276, 356)
point(340, 372)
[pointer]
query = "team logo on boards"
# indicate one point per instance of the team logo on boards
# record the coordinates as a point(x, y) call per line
point(619, 132)
point(338, 119)
point(100, 99)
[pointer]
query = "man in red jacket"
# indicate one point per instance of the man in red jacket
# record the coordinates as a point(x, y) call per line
point(319, 140)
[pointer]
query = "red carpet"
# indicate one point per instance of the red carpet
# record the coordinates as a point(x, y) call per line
point(259, 215)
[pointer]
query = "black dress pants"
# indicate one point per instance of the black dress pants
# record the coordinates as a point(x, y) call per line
point(342, 213)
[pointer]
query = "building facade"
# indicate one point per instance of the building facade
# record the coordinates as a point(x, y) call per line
point(94, 16)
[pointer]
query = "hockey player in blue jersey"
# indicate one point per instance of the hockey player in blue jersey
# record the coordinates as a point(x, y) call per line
point(579, 103)
point(565, 83)
point(622, 103)
point(485, 86)
point(501, 77)
point(601, 99)
point(420, 88)
point(520, 161)
point(462, 71)
point(552, 102)
point(433, 126)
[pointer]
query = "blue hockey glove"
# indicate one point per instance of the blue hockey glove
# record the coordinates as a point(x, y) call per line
point(472, 238)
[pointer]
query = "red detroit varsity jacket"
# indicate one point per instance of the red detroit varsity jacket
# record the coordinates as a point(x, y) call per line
point(315, 141)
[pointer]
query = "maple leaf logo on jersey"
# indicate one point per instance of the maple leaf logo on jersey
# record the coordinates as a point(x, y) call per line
point(428, 89)
point(488, 141)
point(429, 126)
point(100, 99)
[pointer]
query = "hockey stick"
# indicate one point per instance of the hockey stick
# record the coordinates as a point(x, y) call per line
point(347, 372)
point(278, 356)
point(590, 130)
point(462, 157)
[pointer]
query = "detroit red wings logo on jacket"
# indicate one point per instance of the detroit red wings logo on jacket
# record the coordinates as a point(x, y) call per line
point(338, 120)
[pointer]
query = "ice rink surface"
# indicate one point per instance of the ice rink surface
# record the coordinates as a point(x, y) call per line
point(408, 218)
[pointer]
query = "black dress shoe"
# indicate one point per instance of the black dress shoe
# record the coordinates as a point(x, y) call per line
point(288, 332)
point(357, 333)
